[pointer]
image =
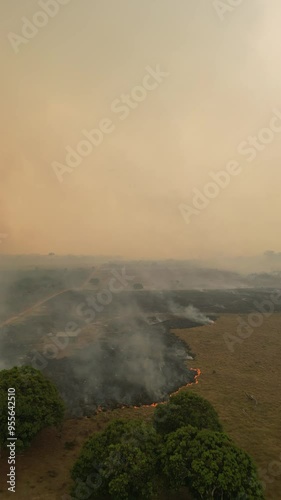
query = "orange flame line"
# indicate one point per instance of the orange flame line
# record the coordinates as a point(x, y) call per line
point(196, 381)
point(153, 405)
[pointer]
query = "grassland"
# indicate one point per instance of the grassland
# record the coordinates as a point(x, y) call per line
point(253, 368)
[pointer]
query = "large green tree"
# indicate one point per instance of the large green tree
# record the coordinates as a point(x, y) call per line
point(131, 460)
point(210, 465)
point(120, 462)
point(186, 408)
point(37, 404)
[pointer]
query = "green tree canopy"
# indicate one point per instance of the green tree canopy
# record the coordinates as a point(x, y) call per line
point(130, 460)
point(120, 461)
point(186, 408)
point(38, 404)
point(210, 465)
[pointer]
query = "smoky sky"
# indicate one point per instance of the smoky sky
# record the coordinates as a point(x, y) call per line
point(223, 81)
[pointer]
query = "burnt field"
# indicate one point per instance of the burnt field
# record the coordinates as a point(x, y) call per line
point(123, 354)
point(253, 368)
point(123, 361)
point(125, 365)
point(135, 352)
point(231, 301)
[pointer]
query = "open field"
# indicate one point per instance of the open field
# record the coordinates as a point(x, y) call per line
point(254, 368)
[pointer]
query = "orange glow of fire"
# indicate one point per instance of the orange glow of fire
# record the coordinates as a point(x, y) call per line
point(153, 405)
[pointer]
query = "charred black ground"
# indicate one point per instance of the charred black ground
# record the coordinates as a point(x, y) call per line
point(130, 356)
point(126, 365)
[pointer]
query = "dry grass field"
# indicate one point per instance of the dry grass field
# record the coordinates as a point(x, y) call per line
point(253, 368)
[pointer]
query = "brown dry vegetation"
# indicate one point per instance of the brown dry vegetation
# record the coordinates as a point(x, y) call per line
point(254, 368)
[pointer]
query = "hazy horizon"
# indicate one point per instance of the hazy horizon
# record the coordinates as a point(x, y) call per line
point(221, 84)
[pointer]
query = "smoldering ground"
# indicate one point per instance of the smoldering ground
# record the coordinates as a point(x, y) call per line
point(189, 312)
point(128, 363)
point(130, 356)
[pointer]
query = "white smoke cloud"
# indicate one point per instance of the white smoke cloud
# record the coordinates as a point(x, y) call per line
point(189, 312)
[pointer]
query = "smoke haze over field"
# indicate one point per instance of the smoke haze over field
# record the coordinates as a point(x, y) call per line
point(189, 312)
point(224, 80)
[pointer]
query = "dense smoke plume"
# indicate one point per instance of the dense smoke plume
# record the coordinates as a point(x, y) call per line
point(127, 363)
